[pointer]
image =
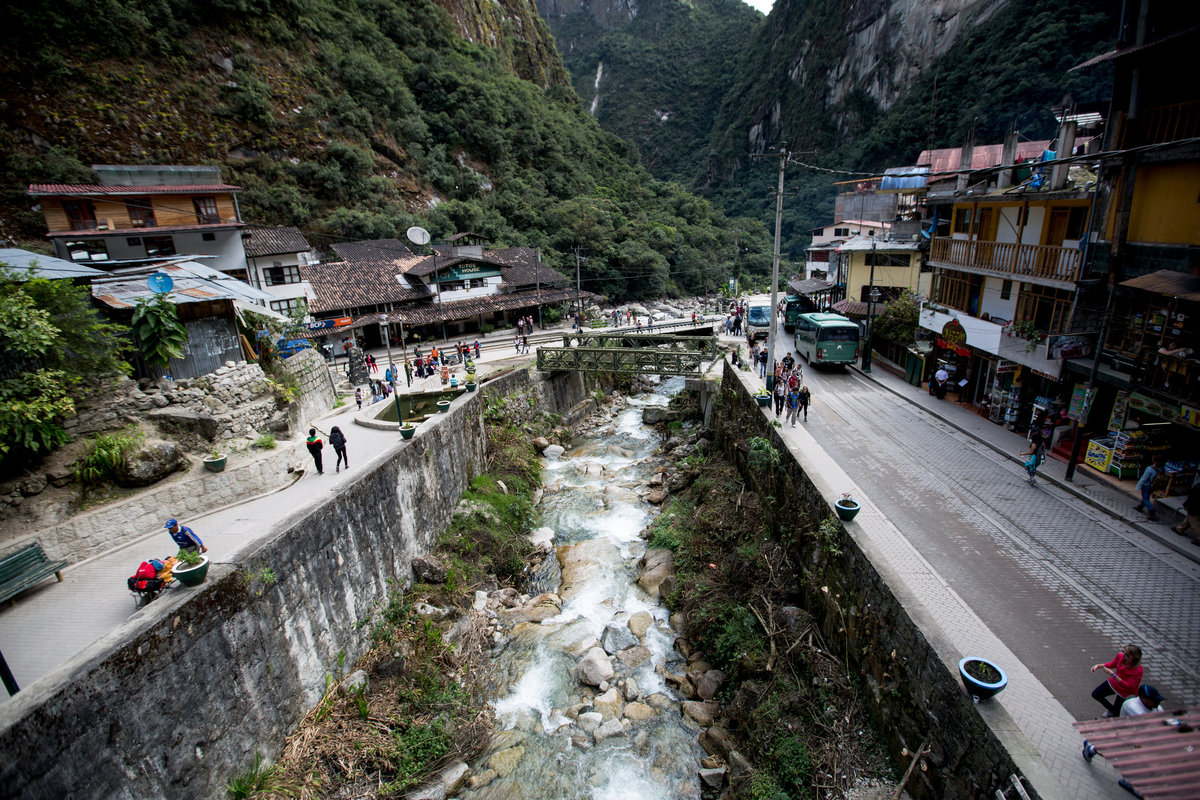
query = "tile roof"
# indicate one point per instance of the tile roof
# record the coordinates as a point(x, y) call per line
point(519, 266)
point(275, 241)
point(372, 250)
point(429, 313)
point(353, 284)
point(37, 189)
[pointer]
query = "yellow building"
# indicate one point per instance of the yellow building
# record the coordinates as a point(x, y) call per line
point(898, 264)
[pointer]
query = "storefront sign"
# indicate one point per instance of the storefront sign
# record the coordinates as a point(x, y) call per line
point(1005, 365)
point(1081, 403)
point(1073, 346)
point(467, 271)
point(322, 324)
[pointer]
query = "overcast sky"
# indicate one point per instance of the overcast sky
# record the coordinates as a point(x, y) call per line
point(762, 5)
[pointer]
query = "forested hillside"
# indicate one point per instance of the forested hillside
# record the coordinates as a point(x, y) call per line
point(353, 119)
point(860, 86)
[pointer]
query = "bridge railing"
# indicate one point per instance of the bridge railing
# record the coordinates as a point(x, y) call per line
point(705, 344)
point(621, 360)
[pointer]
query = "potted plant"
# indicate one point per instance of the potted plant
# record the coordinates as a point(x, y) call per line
point(215, 461)
point(983, 679)
point(407, 430)
point(443, 406)
point(191, 568)
point(470, 383)
point(847, 508)
point(763, 397)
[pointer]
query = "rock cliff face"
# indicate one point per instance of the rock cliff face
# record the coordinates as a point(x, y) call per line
point(877, 47)
point(513, 28)
point(607, 14)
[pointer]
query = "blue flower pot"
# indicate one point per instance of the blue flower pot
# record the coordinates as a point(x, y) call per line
point(978, 689)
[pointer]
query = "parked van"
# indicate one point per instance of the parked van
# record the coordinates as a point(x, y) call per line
point(758, 322)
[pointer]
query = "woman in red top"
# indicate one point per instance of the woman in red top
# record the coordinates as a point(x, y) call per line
point(1125, 676)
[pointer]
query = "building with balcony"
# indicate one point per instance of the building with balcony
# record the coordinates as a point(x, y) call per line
point(146, 212)
point(275, 256)
point(821, 256)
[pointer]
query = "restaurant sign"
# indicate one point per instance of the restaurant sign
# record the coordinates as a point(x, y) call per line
point(323, 324)
point(469, 271)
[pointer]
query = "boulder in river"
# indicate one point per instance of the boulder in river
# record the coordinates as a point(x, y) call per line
point(617, 637)
point(505, 761)
point(609, 729)
point(658, 568)
point(657, 497)
point(710, 684)
point(595, 667)
point(590, 720)
point(639, 711)
point(635, 656)
point(713, 778)
point(538, 609)
point(541, 443)
point(554, 452)
point(703, 713)
point(609, 704)
point(639, 623)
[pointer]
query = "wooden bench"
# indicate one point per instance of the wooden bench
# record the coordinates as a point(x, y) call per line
point(25, 568)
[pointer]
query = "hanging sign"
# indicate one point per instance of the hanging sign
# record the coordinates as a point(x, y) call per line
point(323, 324)
point(1116, 420)
point(1004, 365)
point(1081, 403)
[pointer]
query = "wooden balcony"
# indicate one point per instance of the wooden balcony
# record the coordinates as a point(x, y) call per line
point(1009, 260)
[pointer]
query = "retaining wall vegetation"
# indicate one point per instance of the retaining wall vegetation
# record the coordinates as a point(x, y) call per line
point(912, 678)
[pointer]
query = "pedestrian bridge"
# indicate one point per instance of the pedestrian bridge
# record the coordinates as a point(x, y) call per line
point(648, 353)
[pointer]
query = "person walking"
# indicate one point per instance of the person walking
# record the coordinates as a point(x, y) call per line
point(793, 406)
point(780, 396)
point(358, 397)
point(337, 441)
point(1191, 507)
point(1146, 486)
point(185, 537)
point(315, 445)
point(524, 344)
point(1124, 678)
point(805, 399)
point(476, 349)
point(1037, 454)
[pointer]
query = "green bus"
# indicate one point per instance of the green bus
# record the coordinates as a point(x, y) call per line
point(824, 338)
point(794, 306)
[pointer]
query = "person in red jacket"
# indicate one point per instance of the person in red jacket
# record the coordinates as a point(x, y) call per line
point(1124, 678)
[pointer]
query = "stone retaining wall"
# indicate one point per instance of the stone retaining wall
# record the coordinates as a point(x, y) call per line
point(317, 394)
point(915, 691)
point(180, 697)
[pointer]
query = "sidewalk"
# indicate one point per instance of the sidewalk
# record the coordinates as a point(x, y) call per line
point(1087, 485)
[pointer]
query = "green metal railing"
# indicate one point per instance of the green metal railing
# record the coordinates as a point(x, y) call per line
point(623, 360)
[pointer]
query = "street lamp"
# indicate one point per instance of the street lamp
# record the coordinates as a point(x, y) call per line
point(874, 298)
point(383, 328)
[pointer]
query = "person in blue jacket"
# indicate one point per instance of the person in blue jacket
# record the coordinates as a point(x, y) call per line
point(185, 537)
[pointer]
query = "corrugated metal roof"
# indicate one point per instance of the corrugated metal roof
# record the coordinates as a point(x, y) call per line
point(39, 189)
point(194, 283)
point(47, 266)
point(1182, 285)
point(430, 313)
point(879, 243)
point(810, 286)
point(983, 156)
point(275, 241)
point(904, 179)
point(1159, 758)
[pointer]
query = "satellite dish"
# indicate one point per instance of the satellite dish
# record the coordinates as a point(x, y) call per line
point(418, 235)
point(160, 283)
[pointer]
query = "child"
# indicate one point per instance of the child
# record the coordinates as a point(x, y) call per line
point(315, 445)
point(337, 440)
point(358, 398)
point(1125, 676)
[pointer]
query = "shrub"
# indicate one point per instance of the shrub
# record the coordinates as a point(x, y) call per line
point(104, 456)
point(265, 442)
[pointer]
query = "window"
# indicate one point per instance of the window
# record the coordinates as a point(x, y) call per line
point(81, 214)
point(206, 210)
point(819, 256)
point(451, 286)
point(1006, 290)
point(141, 212)
point(279, 275)
point(878, 259)
point(477, 283)
point(288, 306)
point(962, 220)
point(208, 237)
point(159, 245)
point(133, 241)
point(1076, 222)
point(1050, 309)
point(87, 250)
point(955, 289)
point(841, 231)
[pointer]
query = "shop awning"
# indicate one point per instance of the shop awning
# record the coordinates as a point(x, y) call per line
point(1180, 285)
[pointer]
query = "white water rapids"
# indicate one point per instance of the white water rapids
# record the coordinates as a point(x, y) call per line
point(540, 751)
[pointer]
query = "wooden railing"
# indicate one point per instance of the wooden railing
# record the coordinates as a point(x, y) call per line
point(1158, 125)
point(1007, 258)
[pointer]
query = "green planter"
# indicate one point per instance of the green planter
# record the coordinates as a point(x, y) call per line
point(847, 509)
point(215, 464)
point(471, 386)
point(191, 576)
point(407, 430)
point(764, 400)
point(443, 406)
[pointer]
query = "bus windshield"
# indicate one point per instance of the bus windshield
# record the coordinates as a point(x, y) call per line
point(843, 333)
point(760, 315)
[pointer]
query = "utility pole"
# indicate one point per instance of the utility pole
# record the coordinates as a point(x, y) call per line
point(578, 283)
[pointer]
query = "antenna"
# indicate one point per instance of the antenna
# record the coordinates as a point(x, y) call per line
point(417, 235)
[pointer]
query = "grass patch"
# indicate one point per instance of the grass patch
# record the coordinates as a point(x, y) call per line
point(265, 442)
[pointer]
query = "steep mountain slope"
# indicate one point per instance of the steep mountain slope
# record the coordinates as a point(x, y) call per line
point(654, 72)
point(351, 119)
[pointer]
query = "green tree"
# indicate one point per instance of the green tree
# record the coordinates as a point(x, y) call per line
point(898, 322)
point(159, 333)
point(32, 398)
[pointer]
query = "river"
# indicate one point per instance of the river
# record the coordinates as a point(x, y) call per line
point(556, 737)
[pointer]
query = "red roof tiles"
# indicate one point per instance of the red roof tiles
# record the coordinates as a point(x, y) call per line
point(38, 189)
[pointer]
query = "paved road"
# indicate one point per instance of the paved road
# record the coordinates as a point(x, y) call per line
point(1062, 583)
